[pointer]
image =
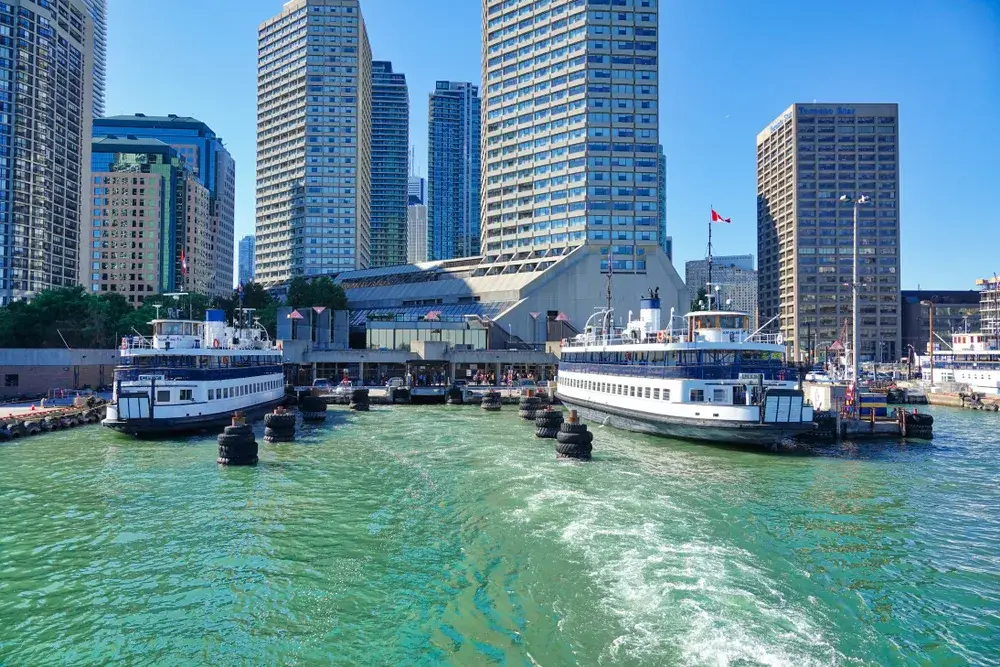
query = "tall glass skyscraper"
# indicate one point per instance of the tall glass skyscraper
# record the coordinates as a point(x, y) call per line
point(390, 155)
point(570, 152)
point(45, 120)
point(313, 141)
point(246, 259)
point(807, 158)
point(661, 202)
point(98, 10)
point(453, 172)
point(211, 163)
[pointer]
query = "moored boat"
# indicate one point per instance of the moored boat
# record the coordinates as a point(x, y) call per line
point(191, 375)
point(711, 381)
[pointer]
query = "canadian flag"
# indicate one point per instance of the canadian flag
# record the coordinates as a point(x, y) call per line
point(718, 218)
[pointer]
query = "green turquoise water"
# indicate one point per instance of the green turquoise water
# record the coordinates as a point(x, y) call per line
point(447, 536)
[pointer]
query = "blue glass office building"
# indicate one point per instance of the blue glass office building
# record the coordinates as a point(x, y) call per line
point(390, 153)
point(453, 171)
point(210, 162)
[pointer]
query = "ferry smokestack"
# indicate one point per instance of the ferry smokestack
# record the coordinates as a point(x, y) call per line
point(649, 311)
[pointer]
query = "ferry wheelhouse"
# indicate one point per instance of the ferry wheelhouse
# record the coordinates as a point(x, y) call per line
point(193, 375)
point(974, 359)
point(710, 381)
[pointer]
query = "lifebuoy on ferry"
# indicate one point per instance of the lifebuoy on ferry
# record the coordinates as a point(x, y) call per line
point(215, 343)
point(660, 336)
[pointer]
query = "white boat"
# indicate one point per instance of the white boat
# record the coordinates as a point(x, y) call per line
point(973, 360)
point(712, 381)
point(193, 375)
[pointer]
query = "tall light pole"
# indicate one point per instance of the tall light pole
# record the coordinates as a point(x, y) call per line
point(855, 287)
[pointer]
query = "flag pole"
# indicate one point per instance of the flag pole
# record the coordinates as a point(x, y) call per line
point(708, 292)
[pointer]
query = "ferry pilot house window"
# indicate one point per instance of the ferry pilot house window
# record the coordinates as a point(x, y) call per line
point(718, 395)
point(697, 395)
point(187, 395)
point(163, 396)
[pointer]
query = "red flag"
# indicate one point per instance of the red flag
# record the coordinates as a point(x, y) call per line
point(184, 263)
point(718, 218)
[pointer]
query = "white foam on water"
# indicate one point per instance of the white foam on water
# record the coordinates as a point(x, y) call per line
point(679, 597)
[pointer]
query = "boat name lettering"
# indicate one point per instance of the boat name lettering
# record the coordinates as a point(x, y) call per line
point(151, 377)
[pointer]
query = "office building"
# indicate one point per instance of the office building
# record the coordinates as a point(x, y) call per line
point(989, 304)
point(45, 146)
point(734, 283)
point(141, 189)
point(954, 311)
point(416, 233)
point(416, 190)
point(98, 10)
point(390, 157)
point(571, 143)
point(807, 158)
point(246, 259)
point(313, 141)
point(453, 137)
point(210, 162)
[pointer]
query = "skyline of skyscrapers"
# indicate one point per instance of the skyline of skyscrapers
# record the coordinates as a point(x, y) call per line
point(314, 94)
point(44, 147)
point(453, 170)
point(571, 141)
point(390, 158)
point(246, 259)
point(807, 159)
point(210, 162)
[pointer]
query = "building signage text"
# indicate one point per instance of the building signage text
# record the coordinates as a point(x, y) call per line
point(826, 111)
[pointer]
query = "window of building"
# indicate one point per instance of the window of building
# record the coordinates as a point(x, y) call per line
point(697, 395)
point(163, 396)
point(10, 380)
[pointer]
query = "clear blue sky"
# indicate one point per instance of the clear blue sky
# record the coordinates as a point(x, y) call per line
point(728, 67)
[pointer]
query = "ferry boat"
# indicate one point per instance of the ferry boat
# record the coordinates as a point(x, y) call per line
point(974, 360)
point(712, 381)
point(193, 375)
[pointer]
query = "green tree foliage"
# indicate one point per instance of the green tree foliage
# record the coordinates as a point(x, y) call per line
point(321, 291)
point(700, 300)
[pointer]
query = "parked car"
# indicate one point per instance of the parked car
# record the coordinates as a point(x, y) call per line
point(394, 383)
point(322, 383)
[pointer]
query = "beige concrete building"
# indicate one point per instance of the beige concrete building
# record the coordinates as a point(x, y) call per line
point(807, 158)
point(199, 240)
point(313, 141)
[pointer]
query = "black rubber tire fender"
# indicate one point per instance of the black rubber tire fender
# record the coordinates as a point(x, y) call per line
point(584, 438)
point(235, 439)
point(567, 427)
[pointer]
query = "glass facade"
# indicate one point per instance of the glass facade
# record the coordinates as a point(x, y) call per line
point(661, 206)
point(246, 256)
point(400, 339)
point(210, 162)
point(45, 117)
point(313, 141)
point(807, 159)
point(453, 137)
point(390, 158)
point(571, 138)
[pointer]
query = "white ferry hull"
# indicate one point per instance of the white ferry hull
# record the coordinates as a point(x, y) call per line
point(146, 427)
point(717, 431)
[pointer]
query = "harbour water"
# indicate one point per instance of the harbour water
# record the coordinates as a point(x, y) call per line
point(445, 536)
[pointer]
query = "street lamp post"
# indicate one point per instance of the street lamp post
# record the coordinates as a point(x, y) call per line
point(855, 286)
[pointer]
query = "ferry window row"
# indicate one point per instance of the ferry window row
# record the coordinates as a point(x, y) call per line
point(244, 390)
point(678, 358)
point(614, 389)
point(190, 361)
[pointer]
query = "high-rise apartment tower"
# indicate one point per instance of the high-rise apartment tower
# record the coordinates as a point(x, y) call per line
point(390, 157)
point(453, 137)
point(98, 10)
point(314, 96)
point(570, 128)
